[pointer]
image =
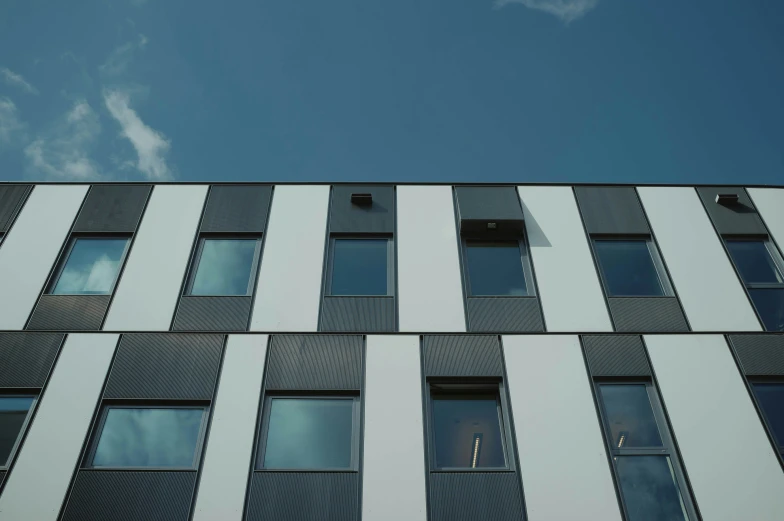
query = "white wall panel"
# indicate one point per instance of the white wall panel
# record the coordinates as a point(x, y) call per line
point(149, 289)
point(29, 251)
point(36, 487)
point(224, 477)
point(394, 453)
point(731, 465)
point(289, 288)
point(563, 459)
point(770, 205)
point(707, 285)
point(569, 288)
point(429, 282)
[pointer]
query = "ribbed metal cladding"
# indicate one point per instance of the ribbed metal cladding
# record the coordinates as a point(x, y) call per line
point(345, 217)
point(27, 358)
point(741, 218)
point(298, 496)
point(611, 210)
point(69, 313)
point(366, 314)
point(112, 208)
point(760, 355)
point(166, 366)
point(314, 362)
point(504, 314)
point(212, 314)
point(462, 355)
point(2, 477)
point(237, 208)
point(616, 355)
point(100, 495)
point(476, 205)
point(647, 314)
point(11, 198)
point(473, 496)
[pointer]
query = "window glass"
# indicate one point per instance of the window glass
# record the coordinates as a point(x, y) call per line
point(771, 399)
point(495, 268)
point(13, 412)
point(754, 262)
point(467, 431)
point(628, 269)
point(152, 437)
point(91, 267)
point(630, 416)
point(307, 433)
point(225, 267)
point(649, 489)
point(770, 306)
point(359, 267)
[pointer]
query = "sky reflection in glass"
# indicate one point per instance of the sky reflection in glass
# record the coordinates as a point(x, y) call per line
point(225, 267)
point(754, 262)
point(467, 432)
point(771, 398)
point(649, 489)
point(91, 267)
point(630, 416)
point(628, 269)
point(13, 411)
point(495, 268)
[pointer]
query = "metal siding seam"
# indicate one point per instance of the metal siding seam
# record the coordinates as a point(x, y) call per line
point(760, 355)
point(314, 362)
point(616, 355)
point(462, 355)
point(470, 496)
point(647, 314)
point(228, 314)
point(27, 358)
point(296, 496)
point(69, 312)
point(504, 314)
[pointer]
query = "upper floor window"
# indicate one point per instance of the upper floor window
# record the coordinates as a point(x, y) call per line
point(90, 266)
point(631, 268)
point(224, 267)
point(497, 269)
point(360, 267)
point(762, 270)
point(14, 412)
point(770, 397)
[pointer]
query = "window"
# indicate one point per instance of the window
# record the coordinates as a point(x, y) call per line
point(360, 267)
point(497, 269)
point(310, 433)
point(770, 397)
point(761, 268)
point(14, 413)
point(631, 268)
point(642, 451)
point(224, 267)
point(90, 266)
point(151, 437)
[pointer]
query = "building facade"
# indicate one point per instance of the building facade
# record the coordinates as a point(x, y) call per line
point(391, 352)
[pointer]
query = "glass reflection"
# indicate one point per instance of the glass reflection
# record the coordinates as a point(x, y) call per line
point(771, 399)
point(467, 431)
point(309, 434)
point(627, 268)
point(13, 411)
point(359, 267)
point(649, 489)
point(770, 306)
point(630, 416)
point(91, 267)
point(225, 267)
point(495, 268)
point(149, 438)
point(754, 262)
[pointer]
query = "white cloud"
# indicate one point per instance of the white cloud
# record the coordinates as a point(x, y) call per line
point(12, 78)
point(10, 124)
point(566, 10)
point(151, 146)
point(119, 59)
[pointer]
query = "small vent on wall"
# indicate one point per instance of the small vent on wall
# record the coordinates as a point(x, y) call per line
point(727, 199)
point(363, 199)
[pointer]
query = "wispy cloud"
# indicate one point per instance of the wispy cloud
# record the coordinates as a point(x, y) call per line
point(119, 59)
point(10, 124)
point(12, 78)
point(151, 146)
point(566, 10)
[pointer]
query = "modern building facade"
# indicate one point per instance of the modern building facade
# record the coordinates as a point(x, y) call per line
point(391, 352)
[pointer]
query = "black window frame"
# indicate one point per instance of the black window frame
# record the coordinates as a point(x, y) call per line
point(360, 237)
point(525, 261)
point(66, 254)
point(778, 445)
point(657, 260)
point(5, 465)
point(193, 267)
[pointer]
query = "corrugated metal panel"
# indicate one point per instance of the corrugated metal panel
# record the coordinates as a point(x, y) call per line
point(112, 208)
point(2, 477)
point(462, 355)
point(366, 314)
point(99, 495)
point(473, 496)
point(760, 355)
point(237, 208)
point(740, 218)
point(26, 358)
point(69, 312)
point(647, 314)
point(611, 209)
point(299, 496)
point(11, 197)
point(309, 362)
point(504, 314)
point(213, 314)
point(476, 205)
point(345, 217)
point(616, 355)
point(165, 366)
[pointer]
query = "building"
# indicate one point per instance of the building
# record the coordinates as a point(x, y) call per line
point(380, 352)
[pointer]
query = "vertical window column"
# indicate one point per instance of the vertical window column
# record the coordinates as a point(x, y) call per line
point(12, 198)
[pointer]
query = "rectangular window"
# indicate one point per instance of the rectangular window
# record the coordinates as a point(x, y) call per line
point(631, 268)
point(224, 267)
point(90, 266)
point(497, 269)
point(762, 271)
point(770, 397)
point(149, 437)
point(310, 433)
point(360, 267)
point(14, 414)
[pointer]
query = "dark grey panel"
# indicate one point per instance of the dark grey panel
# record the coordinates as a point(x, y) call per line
point(11, 197)
point(2, 477)
point(345, 217)
point(169, 366)
point(212, 314)
point(475, 496)
point(504, 314)
point(310, 362)
point(647, 314)
point(100, 495)
point(611, 209)
point(26, 358)
point(478, 205)
point(299, 496)
point(760, 355)
point(462, 355)
point(69, 313)
point(237, 208)
point(741, 218)
point(112, 208)
point(616, 355)
point(366, 314)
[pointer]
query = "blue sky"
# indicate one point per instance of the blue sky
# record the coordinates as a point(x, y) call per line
point(647, 91)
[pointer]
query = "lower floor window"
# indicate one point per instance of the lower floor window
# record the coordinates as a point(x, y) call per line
point(14, 411)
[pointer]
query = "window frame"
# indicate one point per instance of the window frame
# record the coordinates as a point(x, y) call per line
point(66, 255)
point(193, 268)
point(5, 465)
point(778, 445)
point(356, 237)
point(662, 274)
point(525, 260)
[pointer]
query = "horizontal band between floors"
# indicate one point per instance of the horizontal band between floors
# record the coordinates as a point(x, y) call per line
point(386, 183)
point(404, 333)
